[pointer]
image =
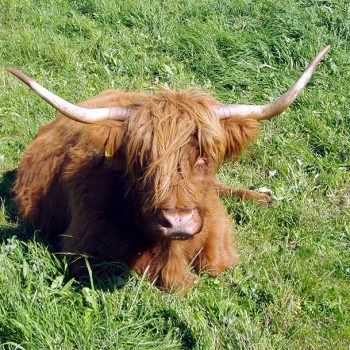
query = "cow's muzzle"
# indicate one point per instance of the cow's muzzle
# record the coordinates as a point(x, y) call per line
point(179, 223)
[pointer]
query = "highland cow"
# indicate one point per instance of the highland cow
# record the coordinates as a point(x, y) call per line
point(130, 177)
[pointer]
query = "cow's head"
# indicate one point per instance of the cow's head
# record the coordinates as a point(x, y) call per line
point(173, 143)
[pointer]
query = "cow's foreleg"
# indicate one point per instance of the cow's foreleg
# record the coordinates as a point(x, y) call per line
point(218, 252)
point(241, 194)
point(217, 256)
point(176, 275)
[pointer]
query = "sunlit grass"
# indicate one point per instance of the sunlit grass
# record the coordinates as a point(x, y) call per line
point(291, 289)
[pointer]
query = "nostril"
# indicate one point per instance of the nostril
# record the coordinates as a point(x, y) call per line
point(164, 222)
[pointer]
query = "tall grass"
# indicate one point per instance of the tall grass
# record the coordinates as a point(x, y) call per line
point(291, 289)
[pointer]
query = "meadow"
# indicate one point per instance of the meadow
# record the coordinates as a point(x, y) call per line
point(291, 289)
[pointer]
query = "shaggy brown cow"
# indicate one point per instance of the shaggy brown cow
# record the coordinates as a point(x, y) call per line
point(130, 177)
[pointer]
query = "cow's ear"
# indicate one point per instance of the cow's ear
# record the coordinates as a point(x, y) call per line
point(239, 132)
point(106, 137)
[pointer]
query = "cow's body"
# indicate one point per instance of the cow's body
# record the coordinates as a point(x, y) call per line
point(130, 177)
point(73, 189)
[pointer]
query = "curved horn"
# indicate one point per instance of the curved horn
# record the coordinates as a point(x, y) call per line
point(70, 110)
point(267, 111)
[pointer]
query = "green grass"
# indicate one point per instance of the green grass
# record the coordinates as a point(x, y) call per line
point(291, 289)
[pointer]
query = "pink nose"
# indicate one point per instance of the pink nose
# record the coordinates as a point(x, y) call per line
point(179, 223)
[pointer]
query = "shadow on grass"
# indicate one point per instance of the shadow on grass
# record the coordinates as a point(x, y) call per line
point(11, 227)
point(6, 183)
point(173, 320)
point(106, 275)
point(97, 273)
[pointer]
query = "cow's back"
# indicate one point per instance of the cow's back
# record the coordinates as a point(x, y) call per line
point(38, 192)
point(40, 188)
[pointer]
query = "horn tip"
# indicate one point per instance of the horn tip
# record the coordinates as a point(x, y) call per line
point(324, 50)
point(20, 76)
point(327, 48)
point(12, 71)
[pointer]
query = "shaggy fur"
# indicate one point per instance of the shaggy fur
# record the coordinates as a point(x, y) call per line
point(96, 188)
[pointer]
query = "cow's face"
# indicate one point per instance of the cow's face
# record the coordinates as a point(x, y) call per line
point(172, 201)
point(173, 147)
point(171, 197)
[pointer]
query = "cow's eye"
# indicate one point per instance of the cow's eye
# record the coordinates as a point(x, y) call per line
point(200, 163)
